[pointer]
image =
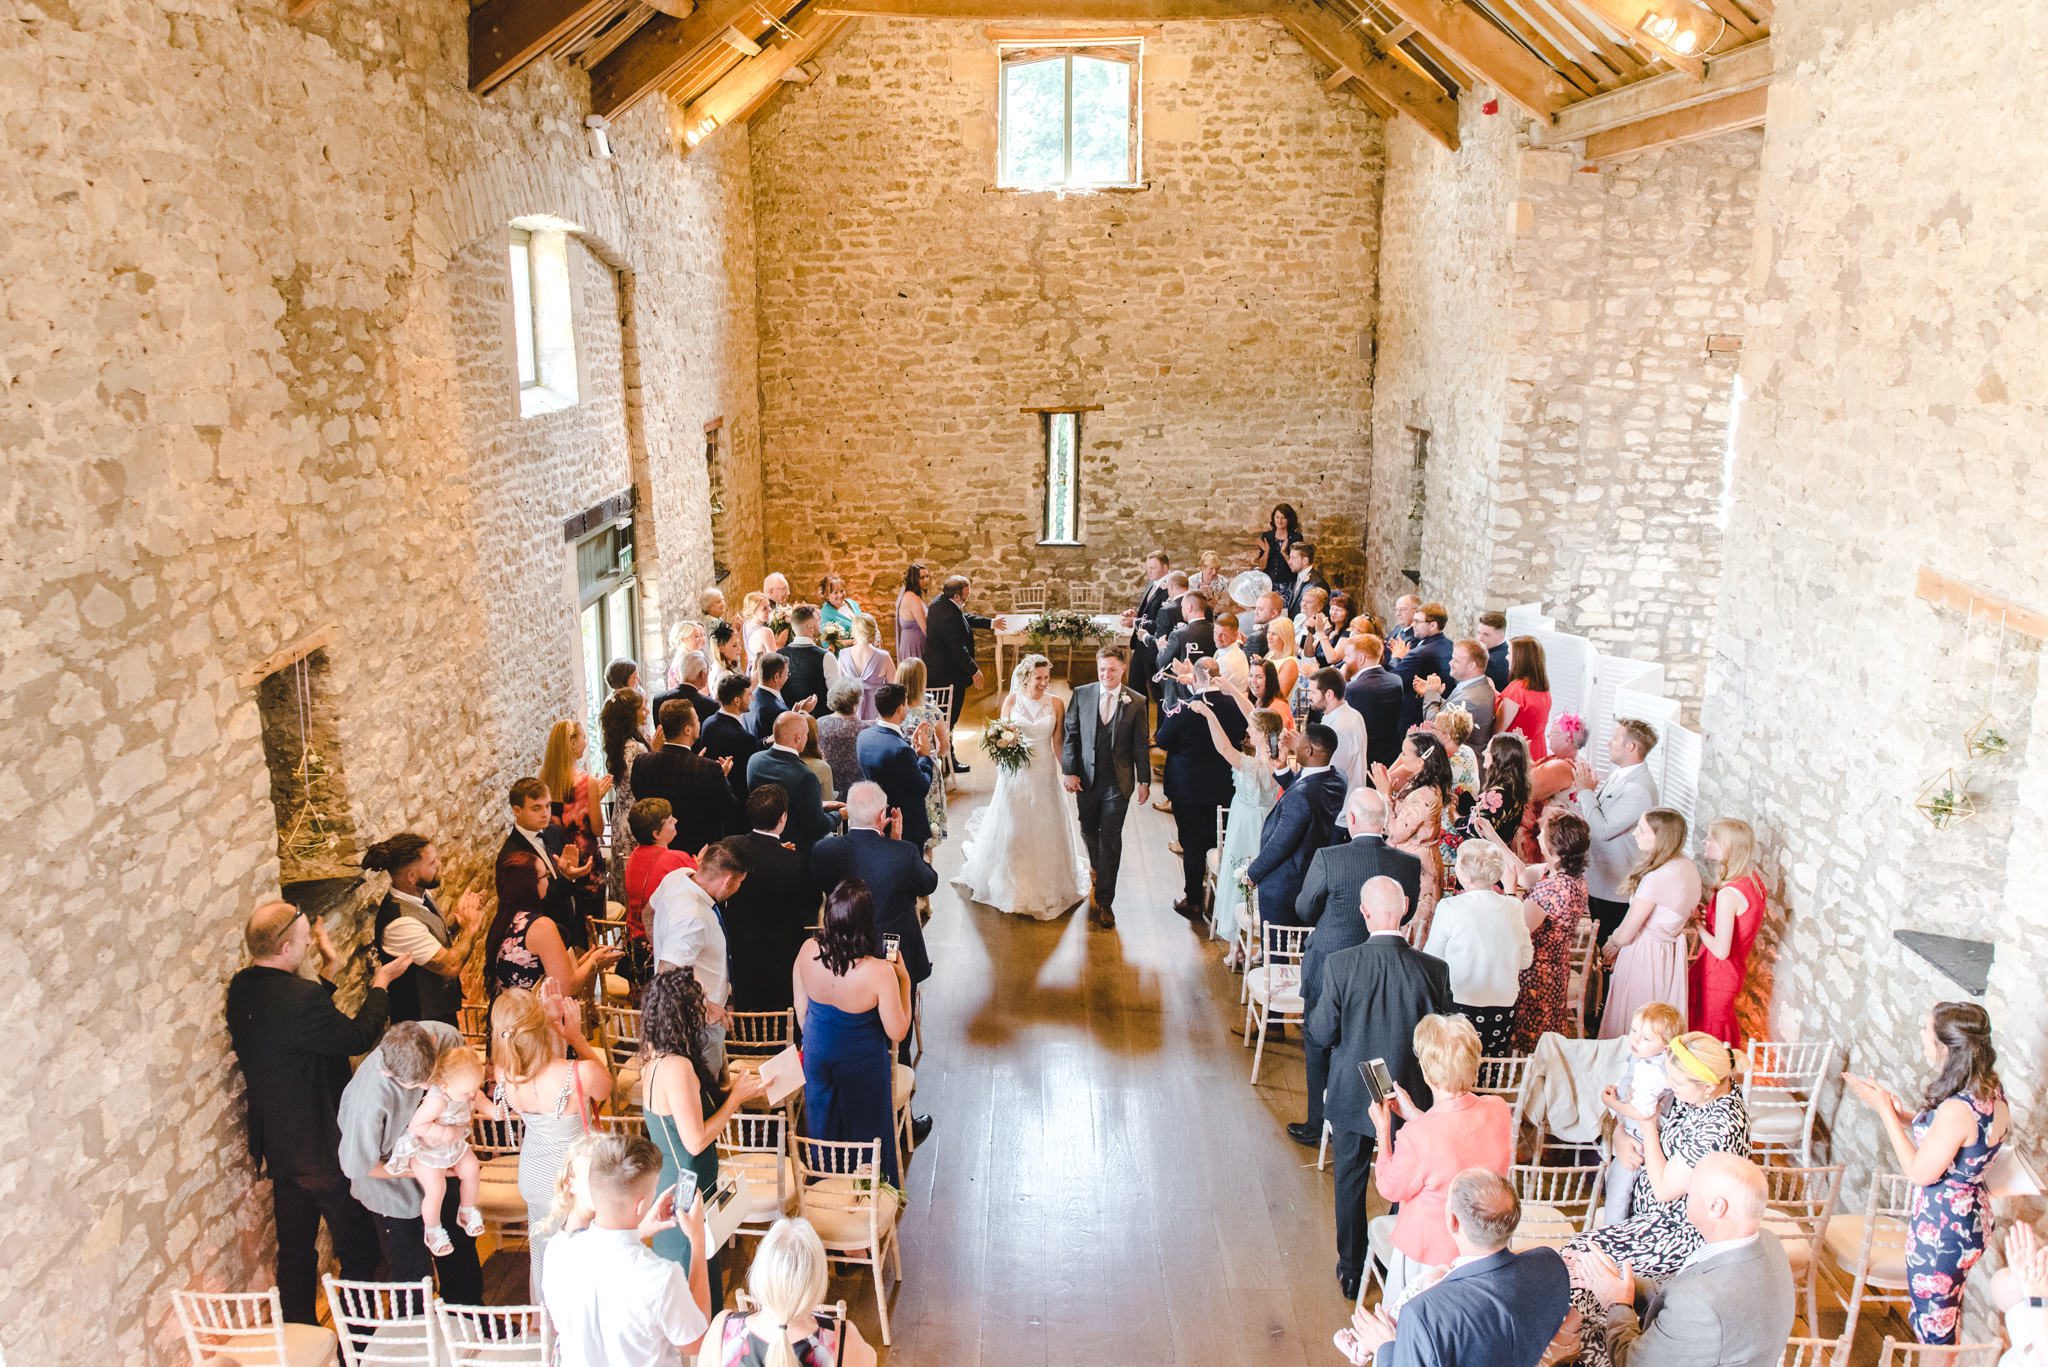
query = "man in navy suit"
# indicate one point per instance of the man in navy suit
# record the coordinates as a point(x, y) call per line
point(1301, 823)
point(1431, 654)
point(769, 676)
point(782, 764)
point(1493, 634)
point(901, 764)
point(1198, 779)
point(1374, 693)
point(724, 735)
point(1144, 655)
point(1494, 1308)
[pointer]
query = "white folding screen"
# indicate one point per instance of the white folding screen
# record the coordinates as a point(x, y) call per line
point(1680, 786)
point(1611, 675)
point(1568, 660)
point(1526, 619)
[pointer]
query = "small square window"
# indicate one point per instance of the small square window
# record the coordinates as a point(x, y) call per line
point(1069, 116)
point(543, 328)
point(1062, 524)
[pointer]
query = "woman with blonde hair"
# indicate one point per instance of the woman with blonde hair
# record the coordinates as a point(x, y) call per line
point(918, 710)
point(755, 634)
point(1210, 583)
point(1733, 916)
point(1281, 654)
point(866, 664)
point(553, 1077)
point(1255, 769)
point(1648, 948)
point(579, 804)
point(787, 1280)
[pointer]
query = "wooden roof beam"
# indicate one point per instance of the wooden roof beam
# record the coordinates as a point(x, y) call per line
point(1623, 16)
point(1745, 68)
point(504, 35)
point(1343, 47)
point(652, 58)
point(749, 85)
point(1477, 43)
point(1056, 11)
point(1723, 115)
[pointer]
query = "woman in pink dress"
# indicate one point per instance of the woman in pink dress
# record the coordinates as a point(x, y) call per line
point(1524, 705)
point(1648, 948)
point(1418, 790)
point(1733, 917)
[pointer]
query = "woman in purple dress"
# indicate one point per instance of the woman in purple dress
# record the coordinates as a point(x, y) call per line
point(866, 664)
point(910, 615)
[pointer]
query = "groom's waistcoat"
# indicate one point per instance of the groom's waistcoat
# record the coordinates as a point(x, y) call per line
point(1105, 742)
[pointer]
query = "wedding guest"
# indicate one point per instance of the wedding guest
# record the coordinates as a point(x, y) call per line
point(726, 741)
point(920, 710)
point(652, 822)
point(1524, 705)
point(1169, 614)
point(895, 874)
point(1302, 575)
point(1199, 781)
point(1470, 689)
point(1327, 695)
point(949, 648)
point(1272, 697)
point(552, 1076)
point(1648, 949)
point(693, 686)
point(835, 609)
point(1302, 821)
point(1735, 913)
point(757, 636)
point(688, 932)
point(1504, 791)
point(1457, 1131)
point(787, 1278)
point(294, 1047)
point(813, 756)
point(1638, 1088)
point(1280, 653)
point(376, 1106)
point(1209, 581)
point(699, 793)
point(711, 605)
point(867, 664)
point(1552, 911)
point(1231, 660)
point(1144, 655)
point(2020, 1293)
point(1481, 936)
point(910, 615)
point(775, 588)
point(1283, 532)
point(769, 916)
point(534, 832)
point(1429, 654)
point(1492, 634)
point(525, 945)
point(1325, 903)
point(839, 733)
point(782, 765)
point(622, 725)
point(1373, 997)
point(1311, 620)
point(1265, 609)
point(685, 638)
point(900, 761)
point(1552, 779)
point(771, 671)
point(1192, 639)
point(1452, 725)
point(1255, 770)
point(1403, 632)
point(578, 800)
point(1943, 1150)
point(1333, 636)
point(1418, 789)
point(685, 1103)
point(1374, 693)
point(1613, 807)
point(409, 924)
point(854, 1006)
point(728, 657)
point(812, 668)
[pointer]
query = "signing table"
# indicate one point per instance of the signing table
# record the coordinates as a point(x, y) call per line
point(1010, 634)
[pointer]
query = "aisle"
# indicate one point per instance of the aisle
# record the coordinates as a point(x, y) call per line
point(1103, 1185)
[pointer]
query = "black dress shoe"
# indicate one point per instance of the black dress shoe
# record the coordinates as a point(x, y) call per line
point(920, 1126)
point(960, 768)
point(1183, 907)
point(1347, 1282)
point(1304, 1136)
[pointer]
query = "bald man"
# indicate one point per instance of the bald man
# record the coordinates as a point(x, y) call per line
point(294, 1047)
point(1730, 1305)
point(782, 764)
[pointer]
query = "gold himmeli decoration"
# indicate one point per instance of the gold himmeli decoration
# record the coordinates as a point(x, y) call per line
point(1944, 801)
point(1984, 740)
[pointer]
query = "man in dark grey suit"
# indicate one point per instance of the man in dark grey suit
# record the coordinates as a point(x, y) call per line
point(1730, 1305)
point(782, 764)
point(1327, 898)
point(1107, 759)
point(1373, 997)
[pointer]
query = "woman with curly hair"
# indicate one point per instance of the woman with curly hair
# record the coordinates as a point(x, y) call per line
point(685, 1113)
point(1418, 792)
point(855, 1007)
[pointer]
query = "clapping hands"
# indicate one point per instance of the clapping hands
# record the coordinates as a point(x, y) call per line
point(1876, 1096)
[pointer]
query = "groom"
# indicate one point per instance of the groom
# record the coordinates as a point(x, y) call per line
point(1106, 758)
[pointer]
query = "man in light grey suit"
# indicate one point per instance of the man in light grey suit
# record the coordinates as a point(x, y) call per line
point(1106, 755)
point(1612, 807)
point(1730, 1305)
point(1469, 688)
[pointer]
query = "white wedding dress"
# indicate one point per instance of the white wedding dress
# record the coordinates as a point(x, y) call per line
point(1024, 853)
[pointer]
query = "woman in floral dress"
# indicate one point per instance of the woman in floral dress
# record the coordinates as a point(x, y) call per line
point(1943, 1151)
point(1553, 908)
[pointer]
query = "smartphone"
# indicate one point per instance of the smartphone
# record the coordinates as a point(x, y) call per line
point(1378, 1080)
point(685, 1190)
point(890, 945)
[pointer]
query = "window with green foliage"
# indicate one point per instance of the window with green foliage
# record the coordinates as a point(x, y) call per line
point(1069, 116)
point(1062, 526)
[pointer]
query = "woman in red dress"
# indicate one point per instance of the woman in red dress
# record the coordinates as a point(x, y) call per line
point(1524, 705)
point(1733, 916)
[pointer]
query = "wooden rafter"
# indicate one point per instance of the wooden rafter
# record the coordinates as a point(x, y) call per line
point(1723, 115)
point(1622, 16)
point(1343, 47)
point(1746, 68)
point(750, 84)
point(1538, 38)
point(504, 35)
point(1741, 25)
point(652, 58)
point(1500, 61)
point(1057, 11)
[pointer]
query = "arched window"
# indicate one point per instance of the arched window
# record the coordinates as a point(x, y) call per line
point(1069, 116)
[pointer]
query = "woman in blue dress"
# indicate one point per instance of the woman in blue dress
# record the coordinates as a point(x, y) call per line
point(1943, 1150)
point(1256, 770)
point(855, 1007)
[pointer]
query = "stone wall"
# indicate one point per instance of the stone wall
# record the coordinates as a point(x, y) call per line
point(909, 310)
point(1895, 363)
point(258, 380)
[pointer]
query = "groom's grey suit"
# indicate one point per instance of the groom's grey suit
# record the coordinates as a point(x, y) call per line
point(1111, 764)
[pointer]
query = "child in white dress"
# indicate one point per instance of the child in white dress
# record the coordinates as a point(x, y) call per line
point(436, 1144)
point(1642, 1089)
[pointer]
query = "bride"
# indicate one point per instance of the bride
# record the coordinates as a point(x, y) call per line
point(1024, 853)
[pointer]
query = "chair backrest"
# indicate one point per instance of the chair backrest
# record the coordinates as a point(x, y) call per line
point(1508, 1079)
point(606, 933)
point(1557, 1202)
point(754, 1145)
point(241, 1326)
point(1222, 825)
point(620, 1028)
point(383, 1324)
point(1885, 1213)
point(632, 1122)
point(1284, 946)
point(1030, 599)
point(840, 1180)
point(1812, 1352)
point(1787, 1077)
point(494, 1335)
point(1084, 597)
point(473, 1019)
point(1898, 1354)
point(940, 699)
point(1804, 1197)
point(493, 1138)
point(759, 1032)
point(1585, 953)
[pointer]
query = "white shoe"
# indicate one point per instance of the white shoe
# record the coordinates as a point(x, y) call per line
point(471, 1219)
point(438, 1242)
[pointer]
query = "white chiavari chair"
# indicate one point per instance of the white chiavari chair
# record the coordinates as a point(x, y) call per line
point(1032, 598)
point(1247, 944)
point(1212, 869)
point(1897, 1354)
point(1808, 1352)
point(1275, 986)
point(632, 1122)
point(1869, 1250)
point(496, 1144)
point(1086, 598)
point(495, 1335)
point(383, 1324)
point(609, 932)
point(841, 1192)
point(1802, 1203)
point(1582, 990)
point(751, 1039)
point(246, 1328)
point(1558, 1203)
point(755, 1148)
point(1781, 1089)
point(473, 1019)
point(618, 1030)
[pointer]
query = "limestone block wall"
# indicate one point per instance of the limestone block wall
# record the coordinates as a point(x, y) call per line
point(1895, 363)
point(909, 310)
point(257, 379)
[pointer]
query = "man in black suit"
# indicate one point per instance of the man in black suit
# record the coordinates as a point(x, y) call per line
point(1403, 628)
point(1144, 655)
point(812, 669)
point(1373, 997)
point(1198, 779)
point(695, 788)
point(536, 832)
point(1302, 822)
point(949, 647)
point(1270, 604)
point(694, 671)
point(1328, 894)
point(804, 797)
point(1194, 638)
point(725, 736)
point(1374, 693)
point(1430, 655)
point(901, 764)
point(294, 1048)
point(1107, 759)
point(771, 914)
point(769, 674)
point(1493, 634)
point(897, 874)
point(1301, 558)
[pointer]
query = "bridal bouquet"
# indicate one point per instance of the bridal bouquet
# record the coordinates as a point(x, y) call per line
point(834, 637)
point(1062, 625)
point(778, 621)
point(1004, 743)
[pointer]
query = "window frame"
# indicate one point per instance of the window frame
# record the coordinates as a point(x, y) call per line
point(525, 317)
point(547, 351)
point(1049, 419)
point(1127, 51)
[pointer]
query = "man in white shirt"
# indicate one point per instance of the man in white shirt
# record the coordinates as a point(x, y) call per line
point(1326, 692)
point(686, 932)
point(613, 1300)
point(1231, 660)
point(1612, 807)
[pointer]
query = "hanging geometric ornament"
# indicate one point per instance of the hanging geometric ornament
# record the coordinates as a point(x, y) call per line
point(1984, 740)
point(1944, 801)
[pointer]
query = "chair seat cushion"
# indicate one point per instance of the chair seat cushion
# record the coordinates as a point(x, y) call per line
point(902, 1082)
point(617, 988)
point(1209, 862)
point(844, 1229)
point(1844, 1243)
point(1772, 1125)
point(626, 1088)
point(305, 1345)
point(757, 1182)
point(1277, 991)
point(1542, 1227)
